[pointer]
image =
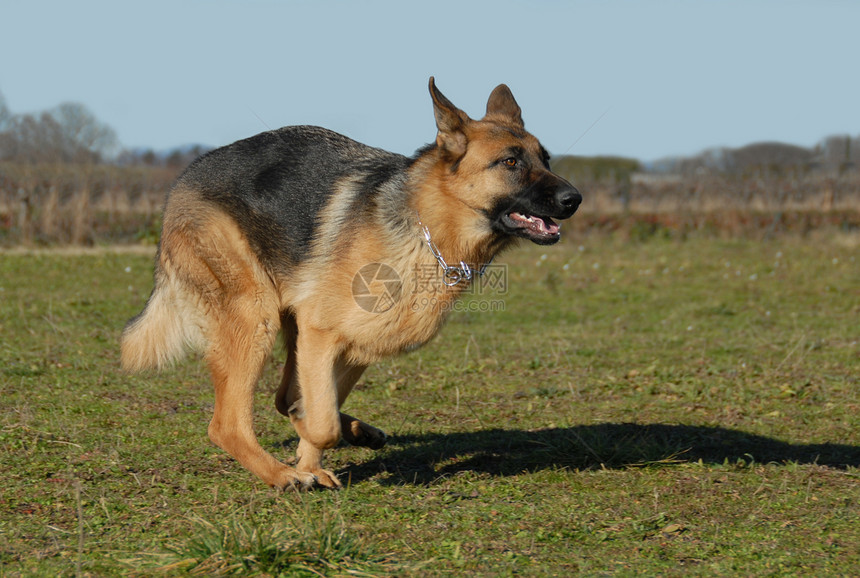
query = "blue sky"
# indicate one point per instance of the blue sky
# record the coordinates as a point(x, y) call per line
point(641, 79)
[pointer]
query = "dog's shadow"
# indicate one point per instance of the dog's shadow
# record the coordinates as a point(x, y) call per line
point(423, 459)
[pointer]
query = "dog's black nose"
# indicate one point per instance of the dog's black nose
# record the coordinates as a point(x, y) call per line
point(568, 198)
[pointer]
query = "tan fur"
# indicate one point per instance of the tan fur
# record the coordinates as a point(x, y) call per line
point(213, 294)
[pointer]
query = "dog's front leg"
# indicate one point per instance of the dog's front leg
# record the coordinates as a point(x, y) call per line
point(314, 411)
point(355, 431)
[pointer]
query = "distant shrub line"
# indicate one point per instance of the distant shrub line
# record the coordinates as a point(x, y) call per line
point(86, 204)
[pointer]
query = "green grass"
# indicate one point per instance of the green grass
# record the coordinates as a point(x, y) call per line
point(659, 407)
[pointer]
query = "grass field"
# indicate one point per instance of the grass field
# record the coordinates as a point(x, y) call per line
point(660, 407)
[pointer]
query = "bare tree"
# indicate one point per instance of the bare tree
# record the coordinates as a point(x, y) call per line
point(5, 122)
point(5, 114)
point(69, 133)
point(771, 156)
point(31, 138)
point(82, 134)
point(840, 153)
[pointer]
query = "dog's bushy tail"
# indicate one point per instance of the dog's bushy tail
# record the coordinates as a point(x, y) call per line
point(160, 335)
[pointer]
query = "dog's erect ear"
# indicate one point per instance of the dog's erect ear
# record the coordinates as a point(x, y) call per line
point(450, 121)
point(502, 103)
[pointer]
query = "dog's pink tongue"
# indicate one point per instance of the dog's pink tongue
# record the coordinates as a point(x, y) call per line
point(549, 226)
point(536, 224)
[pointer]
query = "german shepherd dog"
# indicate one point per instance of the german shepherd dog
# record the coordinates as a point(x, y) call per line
point(270, 234)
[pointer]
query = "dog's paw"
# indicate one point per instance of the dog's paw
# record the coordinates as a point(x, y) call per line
point(293, 479)
point(358, 433)
point(327, 479)
point(321, 478)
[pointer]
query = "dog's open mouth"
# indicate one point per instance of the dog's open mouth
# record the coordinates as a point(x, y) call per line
point(541, 230)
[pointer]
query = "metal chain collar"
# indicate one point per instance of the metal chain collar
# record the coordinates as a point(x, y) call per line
point(451, 274)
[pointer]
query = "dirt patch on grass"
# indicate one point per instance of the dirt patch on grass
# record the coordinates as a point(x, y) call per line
point(78, 251)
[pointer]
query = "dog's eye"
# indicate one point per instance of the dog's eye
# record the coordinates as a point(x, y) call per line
point(510, 162)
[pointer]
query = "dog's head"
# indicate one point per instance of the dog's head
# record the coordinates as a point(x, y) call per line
point(500, 171)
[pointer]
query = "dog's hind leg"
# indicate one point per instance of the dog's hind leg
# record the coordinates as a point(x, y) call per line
point(288, 392)
point(236, 359)
point(242, 322)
